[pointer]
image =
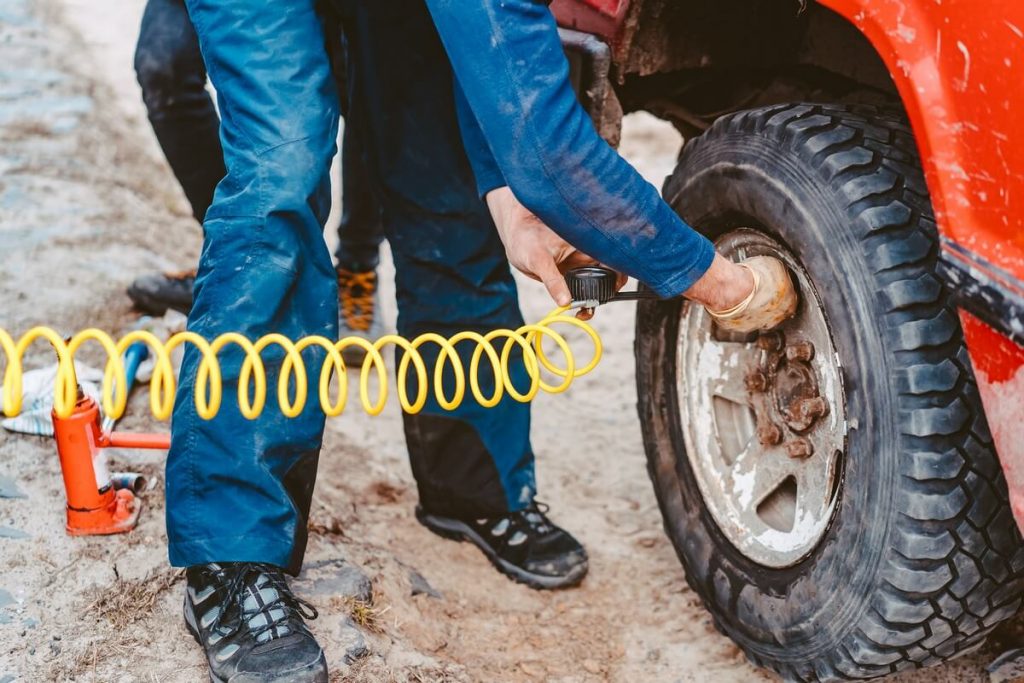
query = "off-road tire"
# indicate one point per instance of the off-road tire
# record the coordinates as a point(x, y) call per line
point(922, 557)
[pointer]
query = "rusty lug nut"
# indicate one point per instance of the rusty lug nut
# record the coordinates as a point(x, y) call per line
point(769, 434)
point(756, 381)
point(800, 351)
point(799, 447)
point(813, 408)
point(771, 341)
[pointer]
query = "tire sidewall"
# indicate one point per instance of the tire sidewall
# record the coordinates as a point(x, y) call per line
point(795, 613)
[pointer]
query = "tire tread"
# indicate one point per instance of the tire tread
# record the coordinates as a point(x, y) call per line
point(954, 567)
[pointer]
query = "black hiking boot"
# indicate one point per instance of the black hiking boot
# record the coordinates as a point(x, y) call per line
point(155, 293)
point(524, 545)
point(251, 625)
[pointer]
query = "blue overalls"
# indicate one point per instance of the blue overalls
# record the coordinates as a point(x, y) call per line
point(240, 490)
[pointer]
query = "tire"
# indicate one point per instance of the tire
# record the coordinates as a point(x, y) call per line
point(921, 558)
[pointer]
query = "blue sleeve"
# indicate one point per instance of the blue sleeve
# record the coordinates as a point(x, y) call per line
point(485, 168)
point(508, 61)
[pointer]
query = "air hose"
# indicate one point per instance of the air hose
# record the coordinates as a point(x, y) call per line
point(589, 286)
point(497, 346)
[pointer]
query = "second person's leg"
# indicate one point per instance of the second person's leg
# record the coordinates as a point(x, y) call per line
point(360, 233)
point(171, 73)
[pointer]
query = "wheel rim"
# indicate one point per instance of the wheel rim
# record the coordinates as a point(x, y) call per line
point(764, 420)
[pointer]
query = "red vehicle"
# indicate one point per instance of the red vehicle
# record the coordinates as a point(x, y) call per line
point(833, 489)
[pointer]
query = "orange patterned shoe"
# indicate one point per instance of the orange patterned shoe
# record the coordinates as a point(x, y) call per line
point(358, 309)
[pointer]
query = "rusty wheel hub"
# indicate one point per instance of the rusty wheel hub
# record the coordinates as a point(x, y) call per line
point(764, 420)
point(786, 389)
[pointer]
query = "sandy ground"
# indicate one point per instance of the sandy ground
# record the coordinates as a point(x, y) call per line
point(86, 204)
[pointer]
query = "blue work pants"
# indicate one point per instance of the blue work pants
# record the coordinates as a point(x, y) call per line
point(240, 490)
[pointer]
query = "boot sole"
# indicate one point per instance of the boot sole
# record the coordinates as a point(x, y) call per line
point(454, 530)
point(150, 305)
point(319, 677)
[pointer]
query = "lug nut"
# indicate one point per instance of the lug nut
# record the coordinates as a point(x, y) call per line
point(769, 434)
point(756, 381)
point(799, 447)
point(813, 408)
point(771, 341)
point(800, 351)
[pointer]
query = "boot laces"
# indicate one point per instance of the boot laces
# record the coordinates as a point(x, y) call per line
point(532, 521)
point(259, 598)
point(356, 293)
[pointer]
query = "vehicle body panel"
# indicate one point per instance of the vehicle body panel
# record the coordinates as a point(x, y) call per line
point(999, 370)
point(959, 67)
point(603, 18)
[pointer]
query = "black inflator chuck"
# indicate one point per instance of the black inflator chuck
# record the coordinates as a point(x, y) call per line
point(593, 283)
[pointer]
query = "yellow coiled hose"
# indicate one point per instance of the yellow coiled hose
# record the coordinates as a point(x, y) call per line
point(209, 383)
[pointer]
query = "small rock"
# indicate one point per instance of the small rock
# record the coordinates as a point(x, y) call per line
point(5, 598)
point(330, 578)
point(9, 489)
point(1007, 667)
point(29, 622)
point(420, 585)
point(11, 532)
point(55, 648)
point(352, 642)
point(592, 666)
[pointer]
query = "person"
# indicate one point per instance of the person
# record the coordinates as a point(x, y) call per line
point(170, 71)
point(465, 101)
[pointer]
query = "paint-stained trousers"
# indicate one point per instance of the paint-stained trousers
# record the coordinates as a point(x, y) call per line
point(240, 490)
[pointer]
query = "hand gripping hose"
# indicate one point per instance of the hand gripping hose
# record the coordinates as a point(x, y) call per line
point(252, 383)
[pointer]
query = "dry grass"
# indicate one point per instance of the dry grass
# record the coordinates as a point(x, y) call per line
point(333, 527)
point(367, 615)
point(85, 660)
point(386, 492)
point(121, 604)
point(125, 602)
point(375, 670)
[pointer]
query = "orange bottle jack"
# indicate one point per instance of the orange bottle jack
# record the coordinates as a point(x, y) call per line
point(94, 507)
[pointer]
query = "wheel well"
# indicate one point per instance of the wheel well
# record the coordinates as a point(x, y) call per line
point(693, 61)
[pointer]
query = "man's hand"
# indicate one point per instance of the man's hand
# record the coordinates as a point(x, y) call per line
point(533, 248)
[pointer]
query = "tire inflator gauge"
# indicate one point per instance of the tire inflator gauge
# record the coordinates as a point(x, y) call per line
point(592, 286)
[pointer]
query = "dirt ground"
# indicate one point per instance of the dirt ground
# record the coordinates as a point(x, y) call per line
point(86, 203)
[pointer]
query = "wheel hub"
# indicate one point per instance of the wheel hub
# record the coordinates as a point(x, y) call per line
point(790, 388)
point(764, 420)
